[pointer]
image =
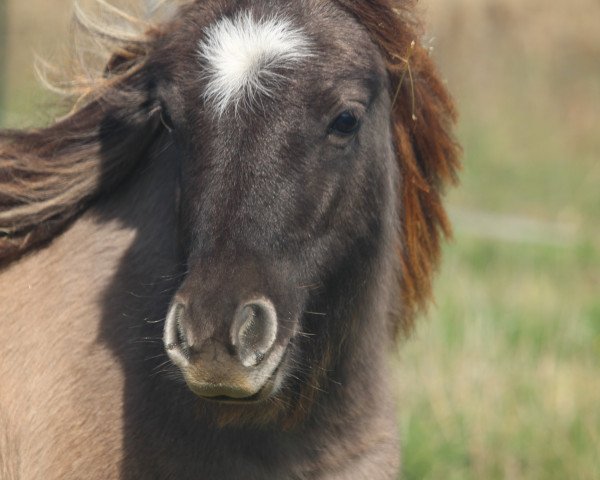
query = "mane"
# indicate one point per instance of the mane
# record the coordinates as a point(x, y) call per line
point(50, 175)
point(428, 156)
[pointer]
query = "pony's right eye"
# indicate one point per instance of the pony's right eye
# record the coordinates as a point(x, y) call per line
point(345, 124)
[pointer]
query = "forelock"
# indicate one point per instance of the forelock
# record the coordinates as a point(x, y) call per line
point(245, 57)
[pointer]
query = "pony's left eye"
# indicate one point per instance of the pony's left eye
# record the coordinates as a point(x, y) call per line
point(345, 124)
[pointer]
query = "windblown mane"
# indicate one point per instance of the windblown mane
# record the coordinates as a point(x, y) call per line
point(428, 156)
point(50, 175)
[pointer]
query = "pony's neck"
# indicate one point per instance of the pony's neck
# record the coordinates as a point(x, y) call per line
point(360, 332)
point(344, 367)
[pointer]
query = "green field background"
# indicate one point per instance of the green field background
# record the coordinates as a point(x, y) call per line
point(501, 379)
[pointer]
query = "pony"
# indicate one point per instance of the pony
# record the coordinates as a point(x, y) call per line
point(206, 263)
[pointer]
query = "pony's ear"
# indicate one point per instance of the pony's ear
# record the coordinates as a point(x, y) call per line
point(428, 159)
point(49, 175)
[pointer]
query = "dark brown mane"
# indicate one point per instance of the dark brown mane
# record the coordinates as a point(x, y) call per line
point(49, 175)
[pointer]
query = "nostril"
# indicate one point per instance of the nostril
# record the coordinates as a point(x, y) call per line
point(255, 330)
point(175, 339)
point(181, 337)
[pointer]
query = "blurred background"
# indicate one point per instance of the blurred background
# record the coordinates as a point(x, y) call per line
point(502, 378)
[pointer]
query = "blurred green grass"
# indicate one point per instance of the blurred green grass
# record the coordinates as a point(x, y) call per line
point(502, 379)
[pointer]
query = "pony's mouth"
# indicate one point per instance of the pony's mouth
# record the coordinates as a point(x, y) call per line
point(256, 398)
point(268, 389)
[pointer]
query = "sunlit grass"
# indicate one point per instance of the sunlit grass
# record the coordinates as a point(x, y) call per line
point(502, 380)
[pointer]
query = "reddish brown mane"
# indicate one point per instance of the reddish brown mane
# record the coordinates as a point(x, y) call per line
point(428, 155)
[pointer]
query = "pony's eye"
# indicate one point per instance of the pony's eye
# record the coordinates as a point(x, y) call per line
point(345, 124)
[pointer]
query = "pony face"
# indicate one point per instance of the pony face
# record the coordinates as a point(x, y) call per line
point(288, 180)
